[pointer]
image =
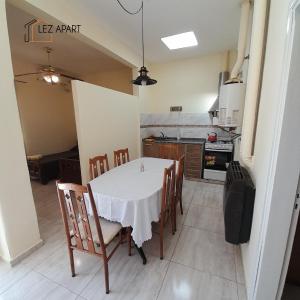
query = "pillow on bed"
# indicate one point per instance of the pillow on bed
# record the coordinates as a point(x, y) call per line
point(34, 157)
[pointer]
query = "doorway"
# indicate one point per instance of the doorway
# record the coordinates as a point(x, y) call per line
point(289, 285)
point(291, 265)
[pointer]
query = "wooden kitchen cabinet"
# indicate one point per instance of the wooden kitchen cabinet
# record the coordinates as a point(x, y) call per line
point(150, 149)
point(181, 150)
point(168, 151)
point(193, 160)
point(193, 155)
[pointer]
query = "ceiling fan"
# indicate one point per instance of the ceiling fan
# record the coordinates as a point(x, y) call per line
point(49, 74)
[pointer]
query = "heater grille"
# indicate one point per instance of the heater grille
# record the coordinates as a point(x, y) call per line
point(238, 203)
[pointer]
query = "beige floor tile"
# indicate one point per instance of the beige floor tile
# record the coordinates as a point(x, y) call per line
point(42, 254)
point(205, 251)
point(152, 246)
point(34, 286)
point(207, 194)
point(239, 266)
point(185, 283)
point(10, 275)
point(187, 193)
point(129, 278)
point(57, 268)
point(206, 218)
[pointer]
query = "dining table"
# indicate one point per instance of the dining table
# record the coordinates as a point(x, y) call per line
point(131, 195)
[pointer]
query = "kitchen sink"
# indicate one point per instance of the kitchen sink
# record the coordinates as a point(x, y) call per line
point(165, 139)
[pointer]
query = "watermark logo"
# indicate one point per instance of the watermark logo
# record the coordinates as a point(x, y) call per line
point(37, 30)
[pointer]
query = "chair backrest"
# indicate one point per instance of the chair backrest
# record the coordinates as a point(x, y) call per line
point(75, 217)
point(179, 178)
point(121, 157)
point(98, 165)
point(168, 190)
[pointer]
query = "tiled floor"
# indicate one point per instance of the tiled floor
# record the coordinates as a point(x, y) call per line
point(198, 263)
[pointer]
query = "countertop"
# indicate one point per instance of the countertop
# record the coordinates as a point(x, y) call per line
point(171, 140)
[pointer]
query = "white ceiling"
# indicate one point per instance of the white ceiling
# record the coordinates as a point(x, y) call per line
point(69, 54)
point(215, 23)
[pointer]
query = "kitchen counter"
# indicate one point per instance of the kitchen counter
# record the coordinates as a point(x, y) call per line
point(171, 140)
point(171, 148)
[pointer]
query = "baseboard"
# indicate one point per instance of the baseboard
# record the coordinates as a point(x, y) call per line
point(26, 253)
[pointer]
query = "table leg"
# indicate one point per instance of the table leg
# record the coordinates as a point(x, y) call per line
point(141, 253)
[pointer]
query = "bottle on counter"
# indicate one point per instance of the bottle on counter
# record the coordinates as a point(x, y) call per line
point(142, 167)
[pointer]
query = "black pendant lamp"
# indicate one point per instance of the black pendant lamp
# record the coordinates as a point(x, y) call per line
point(143, 78)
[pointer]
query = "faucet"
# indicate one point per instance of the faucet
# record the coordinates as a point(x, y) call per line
point(162, 135)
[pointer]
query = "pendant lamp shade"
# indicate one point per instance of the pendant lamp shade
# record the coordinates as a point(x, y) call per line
point(143, 78)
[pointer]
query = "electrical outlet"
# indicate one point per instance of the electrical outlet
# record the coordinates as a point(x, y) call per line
point(176, 108)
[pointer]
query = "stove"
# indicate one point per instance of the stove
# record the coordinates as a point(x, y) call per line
point(217, 156)
point(219, 145)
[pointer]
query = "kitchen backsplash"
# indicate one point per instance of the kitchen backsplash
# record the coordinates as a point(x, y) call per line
point(176, 118)
point(178, 124)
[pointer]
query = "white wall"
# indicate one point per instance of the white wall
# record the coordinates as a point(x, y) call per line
point(118, 80)
point(275, 163)
point(190, 83)
point(106, 120)
point(18, 221)
point(47, 114)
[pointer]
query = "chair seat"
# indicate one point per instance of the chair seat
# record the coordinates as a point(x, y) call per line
point(109, 230)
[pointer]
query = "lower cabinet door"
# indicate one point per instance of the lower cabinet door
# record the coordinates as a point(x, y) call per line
point(168, 151)
point(193, 161)
point(150, 150)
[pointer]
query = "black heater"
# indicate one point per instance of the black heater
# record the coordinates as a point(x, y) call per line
point(238, 203)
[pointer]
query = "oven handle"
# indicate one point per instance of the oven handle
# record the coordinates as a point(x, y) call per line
point(217, 150)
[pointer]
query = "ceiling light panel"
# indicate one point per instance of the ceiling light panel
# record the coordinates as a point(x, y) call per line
point(182, 40)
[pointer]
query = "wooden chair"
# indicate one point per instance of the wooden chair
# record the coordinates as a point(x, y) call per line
point(178, 188)
point(121, 157)
point(167, 203)
point(89, 234)
point(98, 165)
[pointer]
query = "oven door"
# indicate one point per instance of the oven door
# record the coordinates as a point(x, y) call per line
point(217, 159)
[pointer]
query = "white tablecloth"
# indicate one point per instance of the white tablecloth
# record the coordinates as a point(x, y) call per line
point(131, 197)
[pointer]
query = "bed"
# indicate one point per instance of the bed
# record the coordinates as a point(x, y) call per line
point(47, 167)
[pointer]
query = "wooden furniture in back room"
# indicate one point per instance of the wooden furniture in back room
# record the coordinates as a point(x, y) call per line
point(87, 233)
point(98, 165)
point(47, 167)
point(70, 170)
point(121, 157)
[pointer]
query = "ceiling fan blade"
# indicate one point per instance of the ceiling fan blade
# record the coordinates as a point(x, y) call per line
point(21, 81)
point(33, 73)
point(70, 77)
